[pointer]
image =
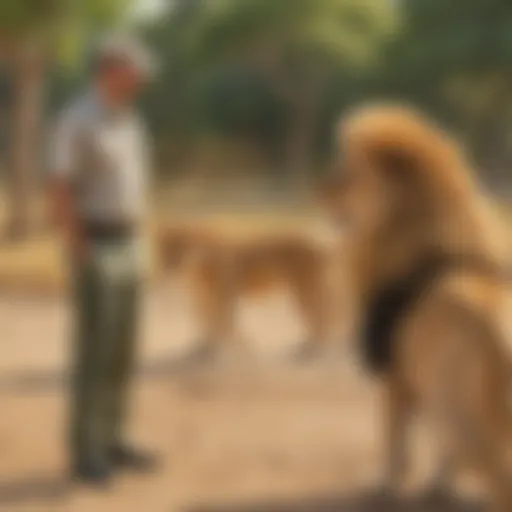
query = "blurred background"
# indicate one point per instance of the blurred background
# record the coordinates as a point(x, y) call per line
point(249, 90)
point(241, 117)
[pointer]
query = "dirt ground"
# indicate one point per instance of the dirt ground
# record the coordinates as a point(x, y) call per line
point(255, 433)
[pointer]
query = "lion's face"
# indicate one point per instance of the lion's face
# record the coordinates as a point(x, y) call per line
point(358, 197)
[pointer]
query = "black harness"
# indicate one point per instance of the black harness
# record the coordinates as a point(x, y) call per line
point(391, 303)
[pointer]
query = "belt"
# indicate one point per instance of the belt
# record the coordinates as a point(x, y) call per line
point(108, 231)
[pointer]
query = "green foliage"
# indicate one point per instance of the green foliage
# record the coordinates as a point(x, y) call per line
point(291, 49)
point(80, 26)
point(291, 37)
point(66, 23)
point(22, 15)
point(262, 68)
point(455, 58)
point(15, 14)
point(105, 12)
point(19, 17)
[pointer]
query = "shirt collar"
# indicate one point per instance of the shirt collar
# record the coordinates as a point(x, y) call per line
point(104, 109)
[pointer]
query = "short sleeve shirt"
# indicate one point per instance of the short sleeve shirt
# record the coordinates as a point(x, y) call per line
point(103, 154)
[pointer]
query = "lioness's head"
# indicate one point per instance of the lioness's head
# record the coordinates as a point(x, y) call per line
point(177, 245)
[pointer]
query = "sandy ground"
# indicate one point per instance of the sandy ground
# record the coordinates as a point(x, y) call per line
point(252, 434)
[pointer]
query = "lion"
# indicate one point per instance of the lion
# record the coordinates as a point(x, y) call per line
point(224, 267)
point(431, 280)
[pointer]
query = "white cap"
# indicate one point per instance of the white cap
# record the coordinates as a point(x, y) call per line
point(127, 49)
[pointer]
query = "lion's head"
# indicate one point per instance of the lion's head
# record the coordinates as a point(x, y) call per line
point(403, 186)
point(394, 165)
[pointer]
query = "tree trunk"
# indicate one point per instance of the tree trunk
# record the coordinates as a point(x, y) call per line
point(307, 89)
point(300, 144)
point(28, 77)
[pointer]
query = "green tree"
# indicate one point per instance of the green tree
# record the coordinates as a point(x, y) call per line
point(31, 34)
point(295, 46)
point(456, 57)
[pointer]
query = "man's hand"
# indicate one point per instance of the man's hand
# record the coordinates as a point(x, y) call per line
point(65, 216)
point(78, 247)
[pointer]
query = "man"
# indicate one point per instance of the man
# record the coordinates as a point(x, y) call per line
point(98, 190)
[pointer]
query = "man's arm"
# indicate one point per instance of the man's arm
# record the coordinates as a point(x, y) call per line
point(63, 202)
point(65, 215)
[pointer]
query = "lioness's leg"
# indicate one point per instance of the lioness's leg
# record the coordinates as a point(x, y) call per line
point(398, 408)
point(313, 307)
point(217, 308)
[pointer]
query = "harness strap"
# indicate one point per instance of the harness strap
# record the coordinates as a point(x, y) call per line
point(390, 304)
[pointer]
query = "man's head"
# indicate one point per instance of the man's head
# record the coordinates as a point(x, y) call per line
point(123, 66)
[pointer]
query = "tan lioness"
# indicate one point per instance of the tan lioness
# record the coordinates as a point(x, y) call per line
point(224, 267)
point(433, 287)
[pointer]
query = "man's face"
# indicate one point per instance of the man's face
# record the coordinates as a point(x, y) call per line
point(121, 83)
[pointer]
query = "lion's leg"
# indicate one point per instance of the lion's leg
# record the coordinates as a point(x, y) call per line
point(490, 442)
point(438, 488)
point(489, 456)
point(398, 409)
point(446, 424)
point(498, 479)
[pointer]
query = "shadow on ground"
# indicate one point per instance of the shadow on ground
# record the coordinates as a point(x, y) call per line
point(47, 381)
point(365, 502)
point(34, 489)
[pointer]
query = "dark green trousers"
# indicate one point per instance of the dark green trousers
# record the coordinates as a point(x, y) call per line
point(106, 295)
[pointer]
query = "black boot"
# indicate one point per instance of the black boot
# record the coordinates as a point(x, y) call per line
point(127, 457)
point(92, 472)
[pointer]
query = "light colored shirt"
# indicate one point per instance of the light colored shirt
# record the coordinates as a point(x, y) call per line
point(103, 154)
